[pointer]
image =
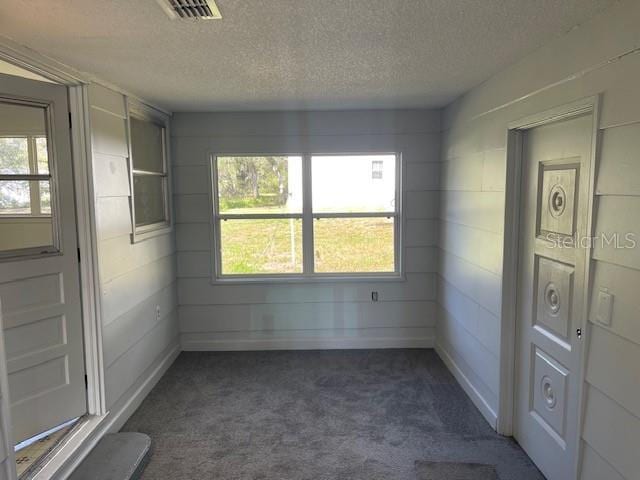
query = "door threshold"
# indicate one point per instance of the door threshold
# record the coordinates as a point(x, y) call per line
point(30, 453)
point(70, 445)
point(30, 441)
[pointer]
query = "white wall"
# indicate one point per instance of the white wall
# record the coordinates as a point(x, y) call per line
point(135, 279)
point(599, 57)
point(326, 315)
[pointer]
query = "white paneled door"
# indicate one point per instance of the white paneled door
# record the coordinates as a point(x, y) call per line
point(39, 278)
point(552, 263)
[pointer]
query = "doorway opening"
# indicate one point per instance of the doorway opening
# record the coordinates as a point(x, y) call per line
point(48, 312)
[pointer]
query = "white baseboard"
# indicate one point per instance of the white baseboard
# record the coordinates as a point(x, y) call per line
point(117, 416)
point(325, 343)
point(476, 397)
point(121, 413)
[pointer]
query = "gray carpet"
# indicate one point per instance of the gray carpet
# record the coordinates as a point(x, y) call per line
point(321, 415)
point(455, 471)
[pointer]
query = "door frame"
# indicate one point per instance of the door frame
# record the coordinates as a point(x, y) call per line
point(87, 246)
point(511, 249)
point(83, 185)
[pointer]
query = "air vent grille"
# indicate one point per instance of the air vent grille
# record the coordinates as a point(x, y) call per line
point(194, 9)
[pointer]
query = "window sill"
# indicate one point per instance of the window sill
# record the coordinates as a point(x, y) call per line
point(26, 218)
point(28, 254)
point(300, 279)
point(150, 231)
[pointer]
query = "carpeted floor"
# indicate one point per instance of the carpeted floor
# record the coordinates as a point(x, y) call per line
point(317, 415)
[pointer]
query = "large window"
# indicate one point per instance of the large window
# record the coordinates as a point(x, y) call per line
point(306, 216)
point(149, 174)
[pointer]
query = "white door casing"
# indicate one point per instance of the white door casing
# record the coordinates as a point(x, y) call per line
point(552, 264)
point(40, 292)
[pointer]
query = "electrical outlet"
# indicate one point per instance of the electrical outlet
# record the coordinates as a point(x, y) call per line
point(374, 296)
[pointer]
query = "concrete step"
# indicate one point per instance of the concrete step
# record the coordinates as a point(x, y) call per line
point(117, 456)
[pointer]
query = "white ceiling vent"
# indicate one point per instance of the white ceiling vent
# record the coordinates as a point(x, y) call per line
point(191, 9)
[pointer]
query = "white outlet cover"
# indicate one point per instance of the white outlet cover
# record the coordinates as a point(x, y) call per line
point(604, 308)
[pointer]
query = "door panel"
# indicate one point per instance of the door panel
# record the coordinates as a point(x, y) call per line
point(551, 283)
point(39, 276)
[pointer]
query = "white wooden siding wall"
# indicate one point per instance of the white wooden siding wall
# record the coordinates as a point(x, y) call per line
point(135, 279)
point(603, 55)
point(326, 315)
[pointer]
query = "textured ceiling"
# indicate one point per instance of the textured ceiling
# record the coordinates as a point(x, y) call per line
point(293, 54)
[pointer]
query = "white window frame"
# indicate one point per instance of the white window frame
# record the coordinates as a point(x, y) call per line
point(53, 217)
point(307, 217)
point(143, 112)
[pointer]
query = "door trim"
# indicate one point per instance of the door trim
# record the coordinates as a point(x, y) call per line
point(76, 84)
point(87, 245)
point(511, 249)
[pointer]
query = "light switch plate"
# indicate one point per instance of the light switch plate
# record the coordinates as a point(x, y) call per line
point(605, 307)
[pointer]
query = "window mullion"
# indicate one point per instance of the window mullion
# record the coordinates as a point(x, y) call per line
point(355, 215)
point(34, 186)
point(307, 217)
point(148, 173)
point(258, 216)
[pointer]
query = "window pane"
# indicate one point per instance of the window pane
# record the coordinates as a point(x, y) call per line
point(15, 198)
point(14, 156)
point(45, 197)
point(146, 146)
point(20, 122)
point(354, 245)
point(353, 183)
point(148, 192)
point(259, 184)
point(261, 246)
point(19, 230)
point(42, 155)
